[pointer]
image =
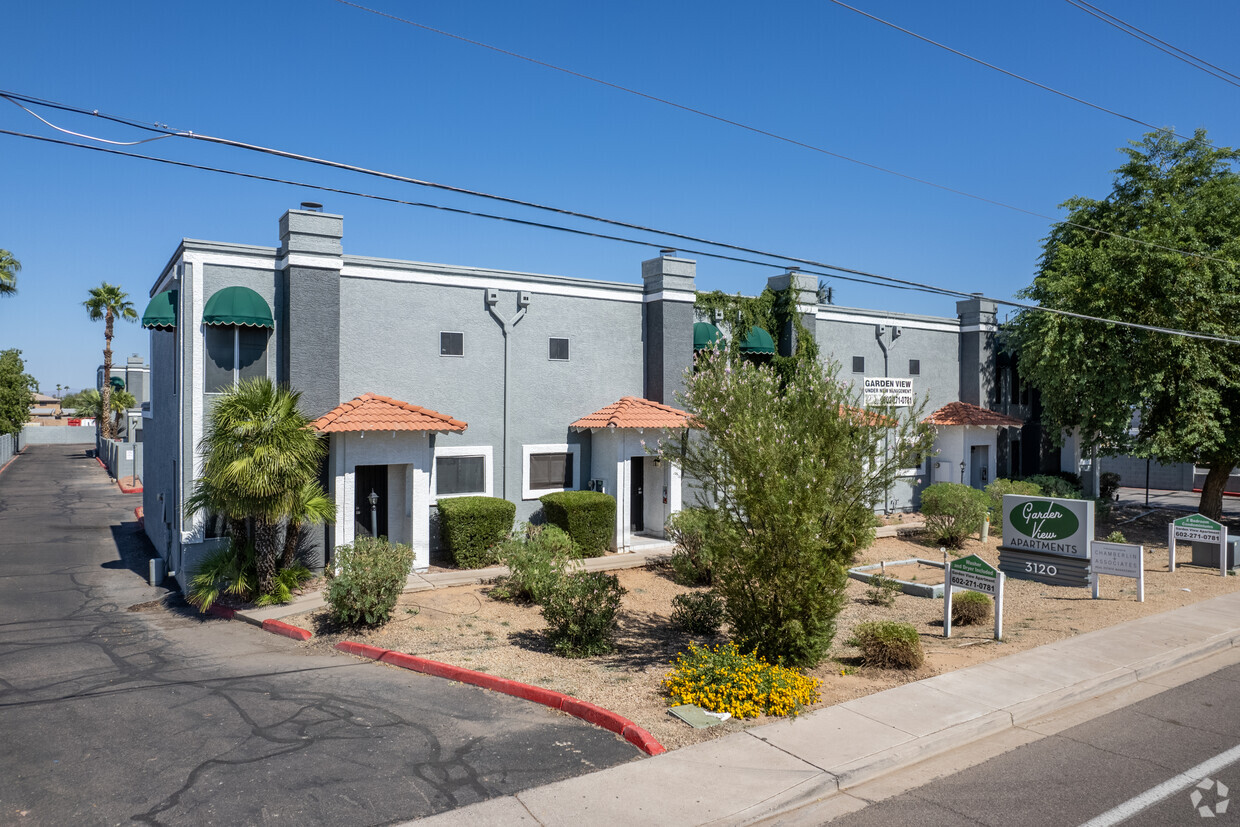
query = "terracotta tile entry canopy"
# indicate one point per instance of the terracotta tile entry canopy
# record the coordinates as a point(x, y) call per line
point(962, 413)
point(371, 412)
point(633, 412)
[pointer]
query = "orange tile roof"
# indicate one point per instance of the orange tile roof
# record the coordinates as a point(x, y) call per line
point(634, 412)
point(962, 413)
point(371, 412)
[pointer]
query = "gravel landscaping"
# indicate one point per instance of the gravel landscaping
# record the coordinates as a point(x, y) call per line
point(464, 626)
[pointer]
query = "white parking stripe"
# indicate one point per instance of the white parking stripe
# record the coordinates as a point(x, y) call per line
point(1165, 790)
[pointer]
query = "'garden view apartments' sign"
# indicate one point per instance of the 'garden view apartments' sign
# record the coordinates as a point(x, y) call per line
point(1047, 539)
point(881, 390)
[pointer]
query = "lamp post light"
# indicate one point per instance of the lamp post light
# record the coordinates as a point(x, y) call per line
point(373, 499)
point(962, 472)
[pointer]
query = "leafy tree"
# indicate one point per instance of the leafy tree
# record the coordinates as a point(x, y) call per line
point(9, 268)
point(793, 467)
point(1182, 199)
point(16, 392)
point(259, 456)
point(108, 302)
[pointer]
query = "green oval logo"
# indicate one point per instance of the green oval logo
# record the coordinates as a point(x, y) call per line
point(1043, 520)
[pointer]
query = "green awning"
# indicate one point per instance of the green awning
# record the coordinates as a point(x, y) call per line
point(161, 313)
point(239, 306)
point(758, 341)
point(705, 335)
point(117, 382)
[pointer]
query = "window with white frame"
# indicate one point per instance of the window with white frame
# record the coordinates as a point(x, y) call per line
point(451, 344)
point(461, 470)
point(234, 353)
point(549, 468)
point(557, 349)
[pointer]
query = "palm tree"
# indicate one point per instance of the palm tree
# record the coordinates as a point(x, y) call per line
point(311, 505)
point(89, 404)
point(9, 268)
point(107, 302)
point(259, 453)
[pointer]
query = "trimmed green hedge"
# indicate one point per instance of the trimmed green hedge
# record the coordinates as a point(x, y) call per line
point(472, 528)
point(588, 517)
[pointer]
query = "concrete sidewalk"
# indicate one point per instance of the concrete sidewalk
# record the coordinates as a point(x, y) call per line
point(426, 581)
point(777, 769)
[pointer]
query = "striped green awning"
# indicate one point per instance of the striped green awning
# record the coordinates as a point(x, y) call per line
point(161, 313)
point(239, 306)
point(705, 335)
point(758, 341)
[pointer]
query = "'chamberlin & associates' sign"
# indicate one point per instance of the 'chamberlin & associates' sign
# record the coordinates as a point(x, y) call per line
point(1048, 526)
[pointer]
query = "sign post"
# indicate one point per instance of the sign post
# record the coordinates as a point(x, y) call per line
point(1118, 560)
point(975, 574)
point(1200, 529)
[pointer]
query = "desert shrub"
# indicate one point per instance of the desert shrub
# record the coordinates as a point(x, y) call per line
point(365, 579)
point(953, 512)
point(889, 645)
point(1114, 537)
point(234, 571)
point(472, 528)
point(1108, 485)
point(698, 613)
point(537, 559)
point(724, 679)
point(970, 608)
point(581, 614)
point(882, 590)
point(995, 492)
point(1056, 486)
point(692, 564)
point(588, 517)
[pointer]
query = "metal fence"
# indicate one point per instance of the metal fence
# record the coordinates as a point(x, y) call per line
point(9, 448)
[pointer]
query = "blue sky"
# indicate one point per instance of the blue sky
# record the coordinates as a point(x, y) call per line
point(321, 78)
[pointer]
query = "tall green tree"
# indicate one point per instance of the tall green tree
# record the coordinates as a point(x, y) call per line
point(108, 302)
point(1161, 249)
point(793, 468)
point(9, 268)
point(259, 454)
point(16, 392)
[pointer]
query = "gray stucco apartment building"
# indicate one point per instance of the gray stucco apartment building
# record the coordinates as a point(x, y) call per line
point(518, 358)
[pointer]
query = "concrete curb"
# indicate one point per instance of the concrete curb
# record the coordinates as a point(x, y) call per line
point(124, 490)
point(279, 627)
point(140, 513)
point(12, 460)
point(588, 712)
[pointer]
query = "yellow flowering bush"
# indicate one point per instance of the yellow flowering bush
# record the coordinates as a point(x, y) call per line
point(724, 679)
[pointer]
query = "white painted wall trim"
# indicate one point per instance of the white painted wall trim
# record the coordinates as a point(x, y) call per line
point(528, 451)
point(980, 328)
point(488, 473)
point(358, 271)
point(670, 296)
point(946, 326)
point(309, 260)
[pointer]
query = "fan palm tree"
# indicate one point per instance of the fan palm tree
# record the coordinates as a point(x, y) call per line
point(259, 453)
point(310, 506)
point(108, 302)
point(9, 268)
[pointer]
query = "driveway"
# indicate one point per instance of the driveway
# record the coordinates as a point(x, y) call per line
point(116, 707)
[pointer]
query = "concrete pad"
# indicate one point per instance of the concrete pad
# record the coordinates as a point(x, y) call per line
point(497, 812)
point(1049, 663)
point(1071, 694)
point(831, 737)
point(693, 785)
point(998, 687)
point(918, 708)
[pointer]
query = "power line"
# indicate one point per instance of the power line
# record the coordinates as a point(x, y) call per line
point(1010, 74)
point(1161, 45)
point(853, 275)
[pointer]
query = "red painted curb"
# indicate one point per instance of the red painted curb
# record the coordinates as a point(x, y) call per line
point(279, 627)
point(588, 712)
point(101, 465)
point(12, 460)
point(140, 514)
point(125, 490)
point(220, 611)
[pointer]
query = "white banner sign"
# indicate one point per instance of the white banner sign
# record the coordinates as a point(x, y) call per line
point(881, 390)
point(1118, 560)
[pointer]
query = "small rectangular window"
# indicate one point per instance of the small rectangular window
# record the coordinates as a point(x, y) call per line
point(914, 367)
point(220, 358)
point(858, 364)
point(460, 475)
point(551, 471)
point(559, 349)
point(451, 344)
point(251, 352)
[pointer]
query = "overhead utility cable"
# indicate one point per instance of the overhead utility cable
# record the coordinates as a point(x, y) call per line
point(1161, 45)
point(280, 153)
point(1010, 74)
point(854, 275)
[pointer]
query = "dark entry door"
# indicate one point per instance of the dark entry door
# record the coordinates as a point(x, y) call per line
point(368, 478)
point(637, 500)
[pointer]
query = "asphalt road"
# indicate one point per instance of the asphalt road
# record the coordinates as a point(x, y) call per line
point(1096, 769)
point(116, 708)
